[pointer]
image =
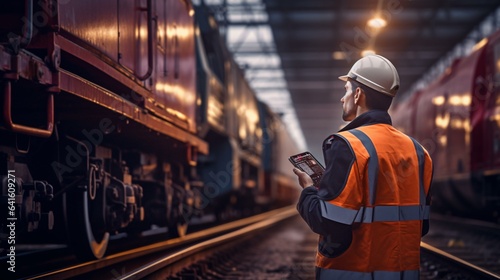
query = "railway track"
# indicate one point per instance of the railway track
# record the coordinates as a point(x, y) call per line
point(174, 253)
point(458, 248)
point(438, 264)
point(454, 249)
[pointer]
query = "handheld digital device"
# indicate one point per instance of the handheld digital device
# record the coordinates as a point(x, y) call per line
point(309, 164)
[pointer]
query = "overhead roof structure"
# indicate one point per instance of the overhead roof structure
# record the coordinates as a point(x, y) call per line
point(305, 45)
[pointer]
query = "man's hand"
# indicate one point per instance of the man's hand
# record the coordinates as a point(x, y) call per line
point(304, 179)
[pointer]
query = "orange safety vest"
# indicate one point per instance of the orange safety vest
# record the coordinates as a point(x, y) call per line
point(384, 200)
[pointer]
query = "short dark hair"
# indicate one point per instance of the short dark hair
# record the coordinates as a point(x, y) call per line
point(374, 99)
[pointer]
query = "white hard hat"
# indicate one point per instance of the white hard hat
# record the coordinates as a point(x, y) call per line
point(375, 72)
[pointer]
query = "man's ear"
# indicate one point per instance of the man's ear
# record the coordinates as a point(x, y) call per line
point(357, 95)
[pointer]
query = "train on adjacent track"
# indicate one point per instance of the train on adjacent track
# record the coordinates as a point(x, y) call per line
point(457, 118)
point(122, 116)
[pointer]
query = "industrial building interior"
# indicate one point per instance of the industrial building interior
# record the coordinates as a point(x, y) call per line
point(293, 51)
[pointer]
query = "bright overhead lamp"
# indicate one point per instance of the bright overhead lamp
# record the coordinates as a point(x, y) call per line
point(377, 23)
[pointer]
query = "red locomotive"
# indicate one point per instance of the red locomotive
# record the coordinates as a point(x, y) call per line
point(457, 118)
point(122, 115)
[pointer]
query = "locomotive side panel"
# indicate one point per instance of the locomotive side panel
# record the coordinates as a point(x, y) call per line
point(152, 42)
point(95, 22)
point(488, 170)
point(428, 128)
point(232, 85)
point(403, 114)
point(490, 87)
point(288, 189)
point(175, 63)
point(280, 182)
point(456, 119)
point(456, 116)
point(212, 98)
point(250, 133)
point(129, 40)
point(211, 95)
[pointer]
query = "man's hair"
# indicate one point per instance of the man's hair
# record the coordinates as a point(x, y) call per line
point(374, 100)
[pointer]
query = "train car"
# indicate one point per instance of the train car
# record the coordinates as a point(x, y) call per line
point(233, 125)
point(98, 126)
point(116, 120)
point(457, 119)
point(280, 183)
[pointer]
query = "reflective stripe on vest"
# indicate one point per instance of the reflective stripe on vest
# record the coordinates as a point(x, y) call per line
point(421, 161)
point(372, 163)
point(374, 214)
point(379, 213)
point(385, 275)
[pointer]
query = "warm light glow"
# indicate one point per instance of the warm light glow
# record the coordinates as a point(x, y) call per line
point(438, 100)
point(442, 140)
point(457, 124)
point(377, 22)
point(455, 100)
point(442, 121)
point(191, 12)
point(212, 22)
point(338, 55)
point(178, 92)
point(161, 33)
point(181, 32)
point(367, 53)
point(460, 100)
point(184, 32)
point(177, 114)
point(141, 32)
point(160, 87)
point(466, 100)
point(242, 132)
point(106, 32)
point(214, 108)
point(480, 44)
point(258, 132)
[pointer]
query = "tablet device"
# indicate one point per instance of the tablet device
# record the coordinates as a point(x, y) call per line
point(309, 164)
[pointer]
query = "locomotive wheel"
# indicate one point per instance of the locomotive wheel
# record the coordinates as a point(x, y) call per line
point(86, 222)
point(181, 212)
point(178, 224)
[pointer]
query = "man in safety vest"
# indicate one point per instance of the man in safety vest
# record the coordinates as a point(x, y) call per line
point(371, 207)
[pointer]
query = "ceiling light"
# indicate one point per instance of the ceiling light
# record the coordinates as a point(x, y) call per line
point(338, 55)
point(367, 53)
point(377, 22)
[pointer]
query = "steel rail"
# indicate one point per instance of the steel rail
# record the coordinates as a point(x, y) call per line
point(206, 245)
point(485, 274)
point(266, 218)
